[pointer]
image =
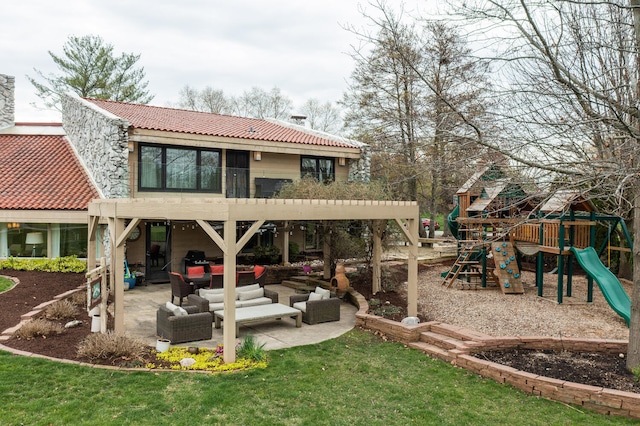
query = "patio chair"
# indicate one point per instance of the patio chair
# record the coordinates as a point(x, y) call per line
point(179, 287)
point(316, 311)
point(196, 325)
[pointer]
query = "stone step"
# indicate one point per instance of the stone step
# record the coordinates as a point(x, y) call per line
point(459, 333)
point(442, 341)
point(432, 350)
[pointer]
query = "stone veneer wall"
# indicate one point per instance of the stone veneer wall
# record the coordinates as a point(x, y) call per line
point(360, 170)
point(7, 100)
point(101, 140)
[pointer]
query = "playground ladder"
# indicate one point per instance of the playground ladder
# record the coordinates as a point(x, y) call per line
point(463, 266)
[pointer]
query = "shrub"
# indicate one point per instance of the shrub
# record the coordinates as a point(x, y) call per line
point(109, 345)
point(60, 264)
point(38, 327)
point(61, 309)
point(249, 349)
point(79, 298)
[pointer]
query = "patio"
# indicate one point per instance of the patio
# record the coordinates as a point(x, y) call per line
point(142, 302)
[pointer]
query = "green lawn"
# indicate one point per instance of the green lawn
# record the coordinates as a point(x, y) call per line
point(356, 379)
point(5, 284)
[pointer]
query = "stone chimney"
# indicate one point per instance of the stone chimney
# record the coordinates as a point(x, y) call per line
point(7, 101)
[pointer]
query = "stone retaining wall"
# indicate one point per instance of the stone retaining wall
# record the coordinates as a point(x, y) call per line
point(601, 400)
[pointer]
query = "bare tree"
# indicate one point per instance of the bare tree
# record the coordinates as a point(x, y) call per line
point(258, 103)
point(205, 100)
point(325, 117)
point(568, 106)
point(407, 81)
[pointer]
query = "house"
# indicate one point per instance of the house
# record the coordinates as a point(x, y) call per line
point(44, 189)
point(146, 152)
point(149, 184)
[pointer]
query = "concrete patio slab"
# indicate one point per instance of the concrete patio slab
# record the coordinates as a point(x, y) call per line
point(141, 304)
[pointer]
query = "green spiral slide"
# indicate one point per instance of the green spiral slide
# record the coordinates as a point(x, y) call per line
point(609, 285)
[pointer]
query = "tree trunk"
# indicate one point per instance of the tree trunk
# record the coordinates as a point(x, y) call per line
point(633, 351)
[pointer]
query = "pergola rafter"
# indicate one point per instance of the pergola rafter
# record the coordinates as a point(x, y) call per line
point(116, 212)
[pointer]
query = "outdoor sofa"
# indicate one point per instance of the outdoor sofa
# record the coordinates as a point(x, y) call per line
point(249, 295)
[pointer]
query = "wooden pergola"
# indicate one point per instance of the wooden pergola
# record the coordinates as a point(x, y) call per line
point(117, 212)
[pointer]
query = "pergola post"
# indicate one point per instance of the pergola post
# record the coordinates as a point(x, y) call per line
point(376, 285)
point(412, 265)
point(117, 276)
point(229, 282)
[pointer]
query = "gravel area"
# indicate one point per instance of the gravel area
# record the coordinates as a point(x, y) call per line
point(494, 313)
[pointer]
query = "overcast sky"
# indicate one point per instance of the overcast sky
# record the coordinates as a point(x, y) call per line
point(299, 46)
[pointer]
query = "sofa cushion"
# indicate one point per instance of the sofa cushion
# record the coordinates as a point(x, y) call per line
point(214, 297)
point(253, 302)
point(195, 271)
point(204, 291)
point(251, 294)
point(249, 287)
point(217, 269)
point(326, 294)
point(216, 306)
point(176, 310)
point(301, 306)
point(315, 296)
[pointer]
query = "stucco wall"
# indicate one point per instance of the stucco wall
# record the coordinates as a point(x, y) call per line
point(101, 141)
point(7, 100)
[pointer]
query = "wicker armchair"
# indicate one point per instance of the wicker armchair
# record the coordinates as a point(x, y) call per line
point(317, 311)
point(179, 287)
point(194, 326)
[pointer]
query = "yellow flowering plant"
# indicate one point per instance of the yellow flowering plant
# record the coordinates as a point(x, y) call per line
point(205, 360)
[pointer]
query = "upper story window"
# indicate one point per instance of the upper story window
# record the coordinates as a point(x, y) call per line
point(169, 168)
point(323, 169)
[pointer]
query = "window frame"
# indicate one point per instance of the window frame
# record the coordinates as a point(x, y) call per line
point(316, 159)
point(164, 184)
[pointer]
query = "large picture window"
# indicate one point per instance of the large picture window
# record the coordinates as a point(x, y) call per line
point(323, 169)
point(172, 168)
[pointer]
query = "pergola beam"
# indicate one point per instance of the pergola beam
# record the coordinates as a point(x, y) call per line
point(230, 211)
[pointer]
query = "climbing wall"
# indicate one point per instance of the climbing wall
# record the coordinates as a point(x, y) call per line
point(507, 270)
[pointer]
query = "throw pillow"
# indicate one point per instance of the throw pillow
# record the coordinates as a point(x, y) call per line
point(195, 271)
point(177, 310)
point(258, 270)
point(251, 294)
point(323, 292)
point(217, 269)
point(315, 296)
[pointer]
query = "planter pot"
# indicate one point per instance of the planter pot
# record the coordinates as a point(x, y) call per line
point(162, 345)
point(95, 324)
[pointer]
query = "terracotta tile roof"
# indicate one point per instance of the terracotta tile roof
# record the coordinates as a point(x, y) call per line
point(41, 172)
point(202, 123)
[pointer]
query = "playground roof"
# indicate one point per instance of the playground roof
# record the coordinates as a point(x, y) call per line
point(490, 192)
point(564, 200)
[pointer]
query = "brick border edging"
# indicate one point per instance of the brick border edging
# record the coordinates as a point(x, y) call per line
point(602, 400)
point(24, 318)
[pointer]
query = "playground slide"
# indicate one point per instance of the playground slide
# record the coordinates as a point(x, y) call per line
point(608, 283)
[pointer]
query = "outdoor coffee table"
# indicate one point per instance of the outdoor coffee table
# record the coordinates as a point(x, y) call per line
point(259, 313)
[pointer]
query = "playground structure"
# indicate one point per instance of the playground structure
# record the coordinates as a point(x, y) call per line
point(496, 219)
